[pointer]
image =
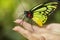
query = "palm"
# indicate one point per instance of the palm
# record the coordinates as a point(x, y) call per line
point(37, 33)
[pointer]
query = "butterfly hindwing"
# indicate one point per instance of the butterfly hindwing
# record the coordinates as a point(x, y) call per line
point(42, 11)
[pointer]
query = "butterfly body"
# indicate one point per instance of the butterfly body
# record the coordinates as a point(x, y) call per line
point(28, 14)
point(39, 14)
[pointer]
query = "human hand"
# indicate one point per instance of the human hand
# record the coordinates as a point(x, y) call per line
point(36, 33)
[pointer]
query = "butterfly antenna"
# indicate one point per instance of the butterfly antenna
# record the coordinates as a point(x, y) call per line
point(36, 2)
point(23, 13)
point(22, 5)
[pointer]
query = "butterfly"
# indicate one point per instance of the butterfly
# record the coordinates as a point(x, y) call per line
point(40, 13)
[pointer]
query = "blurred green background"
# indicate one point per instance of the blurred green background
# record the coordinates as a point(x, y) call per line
point(10, 10)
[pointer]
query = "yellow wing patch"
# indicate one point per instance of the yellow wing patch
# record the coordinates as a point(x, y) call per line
point(37, 20)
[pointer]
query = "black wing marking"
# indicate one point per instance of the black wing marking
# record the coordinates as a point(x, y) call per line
point(41, 5)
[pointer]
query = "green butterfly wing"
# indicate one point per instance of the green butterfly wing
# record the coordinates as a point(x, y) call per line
point(42, 11)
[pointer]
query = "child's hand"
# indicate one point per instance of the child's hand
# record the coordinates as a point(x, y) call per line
point(51, 32)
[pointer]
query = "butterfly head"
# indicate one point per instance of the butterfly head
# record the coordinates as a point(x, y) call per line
point(28, 14)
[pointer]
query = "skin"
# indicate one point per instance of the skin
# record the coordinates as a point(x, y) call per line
point(37, 33)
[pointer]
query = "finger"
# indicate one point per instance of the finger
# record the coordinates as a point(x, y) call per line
point(25, 24)
point(39, 30)
point(36, 29)
point(17, 21)
point(22, 31)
